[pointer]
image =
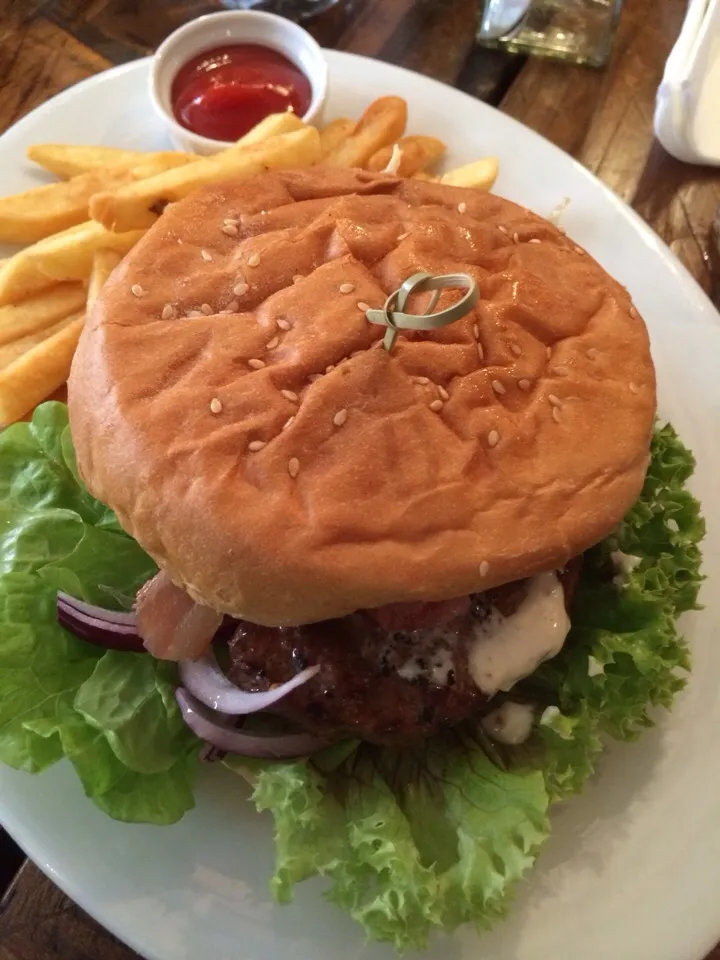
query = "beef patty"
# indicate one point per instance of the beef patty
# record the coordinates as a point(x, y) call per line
point(382, 685)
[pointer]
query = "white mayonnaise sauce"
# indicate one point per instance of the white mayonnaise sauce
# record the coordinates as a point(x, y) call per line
point(624, 563)
point(395, 160)
point(511, 723)
point(506, 649)
point(436, 666)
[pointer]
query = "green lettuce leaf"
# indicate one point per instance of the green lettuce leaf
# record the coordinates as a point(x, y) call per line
point(113, 715)
point(405, 857)
point(409, 841)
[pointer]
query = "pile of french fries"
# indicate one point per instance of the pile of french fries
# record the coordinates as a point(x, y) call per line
point(78, 229)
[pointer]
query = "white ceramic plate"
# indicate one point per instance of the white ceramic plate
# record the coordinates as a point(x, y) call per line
point(632, 870)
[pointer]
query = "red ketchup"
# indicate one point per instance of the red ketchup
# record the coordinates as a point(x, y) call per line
point(226, 91)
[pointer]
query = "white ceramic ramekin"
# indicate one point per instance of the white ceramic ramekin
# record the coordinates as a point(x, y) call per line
point(233, 26)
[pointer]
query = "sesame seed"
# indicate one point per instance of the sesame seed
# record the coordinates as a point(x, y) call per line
point(256, 364)
point(282, 324)
point(493, 438)
point(168, 312)
point(516, 238)
point(524, 384)
point(592, 353)
point(347, 287)
point(137, 290)
point(498, 387)
point(555, 401)
point(462, 207)
point(633, 388)
point(422, 380)
point(534, 240)
point(254, 260)
point(231, 221)
point(216, 405)
point(329, 367)
point(206, 255)
point(273, 343)
point(480, 351)
point(194, 314)
point(363, 306)
point(293, 467)
point(444, 395)
point(556, 414)
point(287, 423)
point(240, 289)
point(633, 312)
point(484, 568)
point(476, 331)
point(436, 406)
point(559, 371)
point(206, 309)
point(340, 418)
point(502, 229)
point(516, 349)
point(314, 377)
point(230, 229)
point(256, 445)
point(290, 395)
point(580, 251)
point(403, 236)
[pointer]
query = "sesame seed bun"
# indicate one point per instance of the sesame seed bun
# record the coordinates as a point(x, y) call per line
point(230, 401)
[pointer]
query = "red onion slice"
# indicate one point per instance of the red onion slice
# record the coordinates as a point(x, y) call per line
point(208, 684)
point(110, 616)
point(286, 746)
point(109, 629)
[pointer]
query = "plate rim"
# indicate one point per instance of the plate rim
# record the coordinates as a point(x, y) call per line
point(23, 834)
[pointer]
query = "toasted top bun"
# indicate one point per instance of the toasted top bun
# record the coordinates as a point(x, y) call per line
point(231, 402)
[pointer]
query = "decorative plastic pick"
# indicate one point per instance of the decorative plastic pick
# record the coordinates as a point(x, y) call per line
point(391, 314)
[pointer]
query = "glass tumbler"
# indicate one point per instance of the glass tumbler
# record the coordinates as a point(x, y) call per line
point(580, 31)
point(292, 9)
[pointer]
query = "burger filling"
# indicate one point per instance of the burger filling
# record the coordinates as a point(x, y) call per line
point(389, 675)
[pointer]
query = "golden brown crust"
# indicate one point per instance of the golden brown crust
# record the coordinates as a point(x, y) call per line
point(399, 502)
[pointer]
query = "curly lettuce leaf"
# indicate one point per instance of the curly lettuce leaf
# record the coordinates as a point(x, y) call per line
point(112, 715)
point(406, 857)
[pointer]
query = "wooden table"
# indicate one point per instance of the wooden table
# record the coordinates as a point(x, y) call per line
point(603, 118)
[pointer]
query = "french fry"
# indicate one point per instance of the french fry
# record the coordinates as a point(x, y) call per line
point(18, 320)
point(64, 256)
point(39, 372)
point(418, 154)
point(333, 134)
point(30, 216)
point(383, 123)
point(11, 351)
point(272, 126)
point(138, 205)
point(68, 160)
point(38, 213)
point(480, 175)
point(104, 262)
